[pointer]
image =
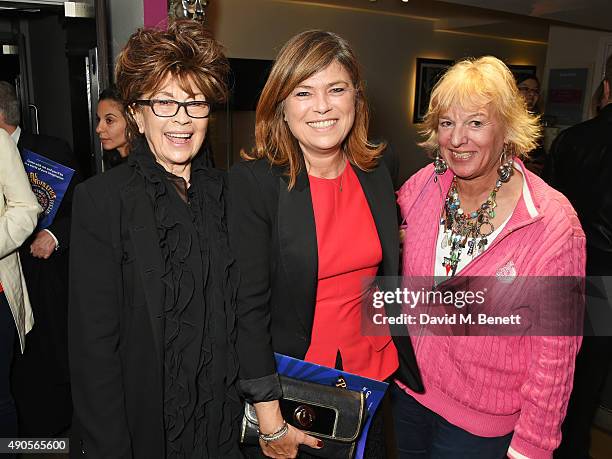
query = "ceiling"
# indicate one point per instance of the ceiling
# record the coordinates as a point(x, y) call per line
point(513, 19)
point(585, 13)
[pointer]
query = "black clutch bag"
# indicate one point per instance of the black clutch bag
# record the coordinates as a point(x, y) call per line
point(333, 414)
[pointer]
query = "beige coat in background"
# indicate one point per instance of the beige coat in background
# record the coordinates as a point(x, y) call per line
point(19, 211)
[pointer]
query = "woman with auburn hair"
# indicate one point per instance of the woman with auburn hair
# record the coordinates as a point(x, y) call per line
point(476, 211)
point(312, 215)
point(152, 305)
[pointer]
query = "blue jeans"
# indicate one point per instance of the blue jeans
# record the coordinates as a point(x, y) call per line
point(423, 434)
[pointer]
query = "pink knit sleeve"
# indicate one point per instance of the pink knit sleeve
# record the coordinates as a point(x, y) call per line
point(546, 392)
point(404, 194)
point(410, 190)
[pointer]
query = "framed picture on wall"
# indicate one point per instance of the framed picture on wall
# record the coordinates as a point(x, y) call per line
point(428, 72)
point(522, 71)
point(566, 95)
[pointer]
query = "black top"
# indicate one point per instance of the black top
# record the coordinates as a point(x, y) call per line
point(152, 320)
point(112, 158)
point(580, 166)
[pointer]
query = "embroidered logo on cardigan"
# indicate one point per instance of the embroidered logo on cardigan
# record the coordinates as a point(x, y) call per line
point(507, 272)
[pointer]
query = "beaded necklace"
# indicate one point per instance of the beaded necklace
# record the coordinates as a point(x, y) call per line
point(461, 229)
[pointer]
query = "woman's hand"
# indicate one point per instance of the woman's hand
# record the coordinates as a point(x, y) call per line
point(287, 446)
point(271, 420)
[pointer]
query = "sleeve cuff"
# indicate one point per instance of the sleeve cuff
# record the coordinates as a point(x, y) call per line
point(54, 238)
point(262, 389)
point(520, 449)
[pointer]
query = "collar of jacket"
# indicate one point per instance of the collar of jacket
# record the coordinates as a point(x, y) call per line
point(301, 181)
point(606, 113)
point(297, 232)
point(527, 209)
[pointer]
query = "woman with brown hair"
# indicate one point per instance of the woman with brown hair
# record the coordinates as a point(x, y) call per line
point(151, 316)
point(313, 215)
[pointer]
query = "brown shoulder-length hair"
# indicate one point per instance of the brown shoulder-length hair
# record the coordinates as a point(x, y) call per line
point(186, 51)
point(300, 58)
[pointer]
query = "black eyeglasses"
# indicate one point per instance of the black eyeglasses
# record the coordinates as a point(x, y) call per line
point(167, 108)
point(526, 90)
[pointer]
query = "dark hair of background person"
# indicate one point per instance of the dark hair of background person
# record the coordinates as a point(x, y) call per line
point(9, 104)
point(524, 77)
point(598, 95)
point(300, 58)
point(113, 157)
point(111, 93)
point(151, 56)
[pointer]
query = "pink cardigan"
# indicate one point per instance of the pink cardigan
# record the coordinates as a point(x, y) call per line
point(493, 385)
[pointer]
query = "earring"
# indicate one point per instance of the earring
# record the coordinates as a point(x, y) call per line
point(505, 169)
point(440, 166)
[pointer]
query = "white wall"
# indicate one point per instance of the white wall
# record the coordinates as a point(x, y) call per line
point(576, 48)
point(124, 16)
point(387, 46)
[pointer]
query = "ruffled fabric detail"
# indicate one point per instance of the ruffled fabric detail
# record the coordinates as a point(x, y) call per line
point(202, 408)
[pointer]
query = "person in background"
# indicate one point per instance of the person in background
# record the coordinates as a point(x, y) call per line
point(19, 211)
point(40, 378)
point(112, 128)
point(476, 211)
point(313, 213)
point(152, 297)
point(529, 88)
point(580, 166)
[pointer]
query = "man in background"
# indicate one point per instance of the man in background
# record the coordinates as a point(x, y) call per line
point(580, 166)
point(40, 379)
point(19, 211)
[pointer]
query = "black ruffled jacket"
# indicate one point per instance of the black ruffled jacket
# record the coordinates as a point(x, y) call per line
point(151, 317)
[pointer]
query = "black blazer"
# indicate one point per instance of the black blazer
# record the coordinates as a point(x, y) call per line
point(273, 237)
point(115, 326)
point(44, 365)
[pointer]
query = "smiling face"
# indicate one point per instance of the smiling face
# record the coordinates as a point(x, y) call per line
point(175, 140)
point(471, 142)
point(320, 111)
point(111, 125)
point(530, 91)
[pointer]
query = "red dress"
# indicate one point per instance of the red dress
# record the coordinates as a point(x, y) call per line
point(349, 250)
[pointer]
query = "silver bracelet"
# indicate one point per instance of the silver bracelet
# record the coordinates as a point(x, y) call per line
point(280, 433)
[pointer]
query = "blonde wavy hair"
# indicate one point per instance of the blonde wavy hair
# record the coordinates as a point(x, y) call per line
point(485, 81)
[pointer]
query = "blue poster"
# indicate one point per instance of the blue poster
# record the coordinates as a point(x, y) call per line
point(49, 181)
point(374, 390)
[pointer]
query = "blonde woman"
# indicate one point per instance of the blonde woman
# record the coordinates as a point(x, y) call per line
point(478, 212)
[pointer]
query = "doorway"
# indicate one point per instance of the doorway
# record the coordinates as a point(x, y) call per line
point(45, 54)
